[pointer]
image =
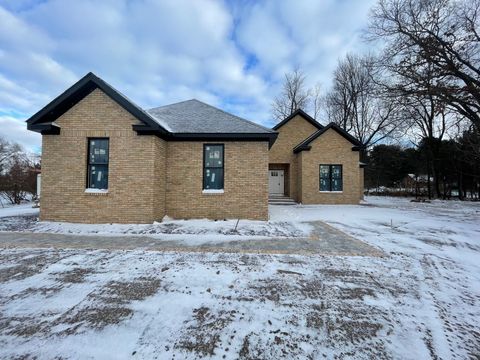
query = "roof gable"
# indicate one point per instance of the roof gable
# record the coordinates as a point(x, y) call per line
point(305, 144)
point(43, 120)
point(205, 122)
point(301, 113)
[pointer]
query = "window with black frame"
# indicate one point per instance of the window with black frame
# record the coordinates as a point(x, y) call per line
point(331, 178)
point(213, 156)
point(97, 177)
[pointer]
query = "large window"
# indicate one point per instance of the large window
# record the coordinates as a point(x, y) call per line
point(213, 166)
point(97, 164)
point(331, 178)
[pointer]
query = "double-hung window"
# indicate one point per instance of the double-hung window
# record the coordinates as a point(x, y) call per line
point(213, 156)
point(97, 164)
point(331, 178)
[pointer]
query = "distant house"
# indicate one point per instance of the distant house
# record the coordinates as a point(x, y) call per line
point(416, 184)
point(104, 159)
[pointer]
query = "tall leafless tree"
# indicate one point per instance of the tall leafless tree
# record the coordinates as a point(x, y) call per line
point(357, 104)
point(316, 100)
point(294, 96)
point(429, 123)
point(441, 34)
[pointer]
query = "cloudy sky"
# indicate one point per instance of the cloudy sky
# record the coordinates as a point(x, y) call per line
point(231, 54)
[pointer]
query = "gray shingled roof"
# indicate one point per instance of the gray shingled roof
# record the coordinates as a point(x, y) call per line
point(193, 116)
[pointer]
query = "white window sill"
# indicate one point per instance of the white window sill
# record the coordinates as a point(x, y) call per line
point(331, 192)
point(212, 192)
point(96, 191)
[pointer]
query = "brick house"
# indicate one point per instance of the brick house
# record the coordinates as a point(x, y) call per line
point(104, 159)
point(315, 164)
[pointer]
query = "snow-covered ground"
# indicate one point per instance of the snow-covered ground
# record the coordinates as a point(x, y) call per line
point(24, 218)
point(188, 230)
point(420, 301)
point(393, 224)
point(7, 210)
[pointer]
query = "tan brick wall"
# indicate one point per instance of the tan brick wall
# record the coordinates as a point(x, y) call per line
point(290, 135)
point(148, 177)
point(298, 159)
point(160, 178)
point(133, 195)
point(330, 148)
point(245, 182)
point(361, 183)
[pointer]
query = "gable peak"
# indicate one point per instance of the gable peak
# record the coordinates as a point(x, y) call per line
point(301, 113)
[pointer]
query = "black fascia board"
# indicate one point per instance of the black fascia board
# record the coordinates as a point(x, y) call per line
point(270, 137)
point(77, 92)
point(302, 114)
point(46, 129)
point(305, 145)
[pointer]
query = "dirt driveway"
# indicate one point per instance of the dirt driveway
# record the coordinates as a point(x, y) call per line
point(324, 240)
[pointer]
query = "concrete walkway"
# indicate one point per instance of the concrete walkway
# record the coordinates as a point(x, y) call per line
point(324, 240)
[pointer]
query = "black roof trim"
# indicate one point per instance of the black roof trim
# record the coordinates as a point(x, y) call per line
point(303, 114)
point(46, 129)
point(270, 137)
point(43, 120)
point(305, 144)
point(77, 92)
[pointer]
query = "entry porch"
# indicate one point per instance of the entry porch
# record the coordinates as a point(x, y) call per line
point(279, 184)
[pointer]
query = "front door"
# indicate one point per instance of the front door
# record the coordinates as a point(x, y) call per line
point(276, 182)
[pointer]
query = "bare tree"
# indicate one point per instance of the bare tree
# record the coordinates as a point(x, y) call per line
point(294, 96)
point(429, 122)
point(357, 103)
point(468, 174)
point(7, 151)
point(18, 172)
point(316, 95)
point(441, 34)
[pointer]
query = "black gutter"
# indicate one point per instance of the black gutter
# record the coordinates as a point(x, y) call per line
point(270, 137)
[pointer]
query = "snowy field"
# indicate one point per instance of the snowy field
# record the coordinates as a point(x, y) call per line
point(420, 301)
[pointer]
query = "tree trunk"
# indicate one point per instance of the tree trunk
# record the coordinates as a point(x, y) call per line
point(444, 182)
point(429, 188)
point(416, 187)
point(15, 195)
point(460, 185)
point(432, 153)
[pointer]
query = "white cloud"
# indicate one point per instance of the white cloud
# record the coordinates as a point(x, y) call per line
point(16, 98)
point(15, 32)
point(308, 34)
point(261, 33)
point(15, 130)
point(153, 44)
point(28, 75)
point(229, 54)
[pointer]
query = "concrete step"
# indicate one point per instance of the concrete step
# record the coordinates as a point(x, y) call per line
point(280, 200)
point(282, 203)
